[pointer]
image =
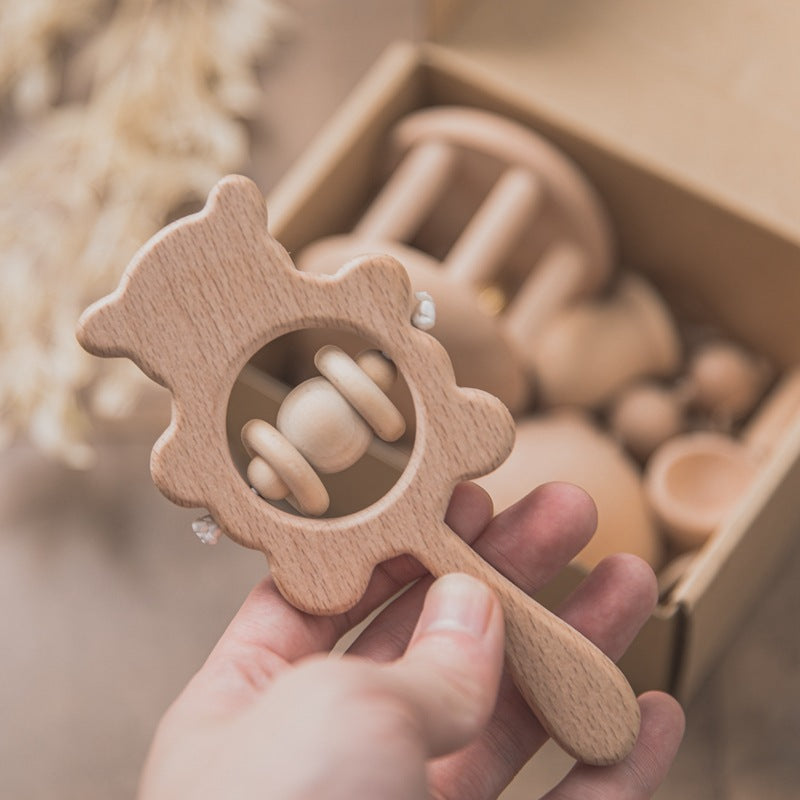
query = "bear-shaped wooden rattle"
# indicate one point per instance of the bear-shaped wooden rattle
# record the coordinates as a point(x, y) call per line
point(210, 290)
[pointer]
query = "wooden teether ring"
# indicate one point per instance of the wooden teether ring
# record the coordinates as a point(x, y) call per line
point(274, 452)
point(223, 265)
point(362, 392)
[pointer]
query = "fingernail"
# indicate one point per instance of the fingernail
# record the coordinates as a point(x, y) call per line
point(457, 603)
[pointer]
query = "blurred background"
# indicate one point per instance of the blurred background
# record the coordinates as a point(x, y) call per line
point(117, 116)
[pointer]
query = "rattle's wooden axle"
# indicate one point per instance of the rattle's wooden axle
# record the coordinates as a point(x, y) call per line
point(496, 228)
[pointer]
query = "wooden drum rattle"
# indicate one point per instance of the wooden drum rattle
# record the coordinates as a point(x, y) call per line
point(539, 235)
point(209, 291)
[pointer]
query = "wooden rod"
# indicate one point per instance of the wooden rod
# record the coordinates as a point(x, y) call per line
point(496, 228)
point(410, 193)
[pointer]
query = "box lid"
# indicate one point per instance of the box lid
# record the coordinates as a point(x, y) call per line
point(705, 93)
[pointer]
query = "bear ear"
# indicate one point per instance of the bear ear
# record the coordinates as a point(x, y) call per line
point(238, 197)
point(102, 326)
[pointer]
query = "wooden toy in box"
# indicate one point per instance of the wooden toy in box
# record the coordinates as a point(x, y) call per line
point(204, 295)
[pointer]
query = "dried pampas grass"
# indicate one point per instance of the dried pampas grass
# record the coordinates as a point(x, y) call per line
point(167, 85)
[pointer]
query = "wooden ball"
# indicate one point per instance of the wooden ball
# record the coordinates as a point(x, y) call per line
point(727, 380)
point(323, 426)
point(644, 416)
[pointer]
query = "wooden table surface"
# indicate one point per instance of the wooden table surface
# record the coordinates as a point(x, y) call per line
point(109, 603)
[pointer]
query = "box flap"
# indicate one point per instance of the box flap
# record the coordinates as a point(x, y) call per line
point(704, 93)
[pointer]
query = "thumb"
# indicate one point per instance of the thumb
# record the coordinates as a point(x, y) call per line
point(450, 673)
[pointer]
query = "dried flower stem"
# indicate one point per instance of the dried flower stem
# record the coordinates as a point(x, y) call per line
point(169, 85)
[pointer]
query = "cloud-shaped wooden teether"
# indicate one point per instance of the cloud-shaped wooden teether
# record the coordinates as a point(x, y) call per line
point(210, 290)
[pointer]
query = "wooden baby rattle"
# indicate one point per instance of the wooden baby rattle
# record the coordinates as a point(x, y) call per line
point(210, 290)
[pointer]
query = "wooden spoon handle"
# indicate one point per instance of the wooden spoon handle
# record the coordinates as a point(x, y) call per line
point(578, 694)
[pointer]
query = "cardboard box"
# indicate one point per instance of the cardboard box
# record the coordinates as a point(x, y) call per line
point(685, 118)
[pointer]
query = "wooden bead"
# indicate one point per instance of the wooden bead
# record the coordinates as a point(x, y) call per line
point(644, 416)
point(317, 419)
point(380, 369)
point(723, 379)
point(726, 380)
point(263, 478)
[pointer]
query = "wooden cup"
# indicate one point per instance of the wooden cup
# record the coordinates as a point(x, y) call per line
point(694, 481)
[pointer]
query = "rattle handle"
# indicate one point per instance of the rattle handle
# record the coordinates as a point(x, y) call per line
point(578, 694)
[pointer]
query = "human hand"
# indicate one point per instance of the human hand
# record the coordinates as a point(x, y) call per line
point(419, 707)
